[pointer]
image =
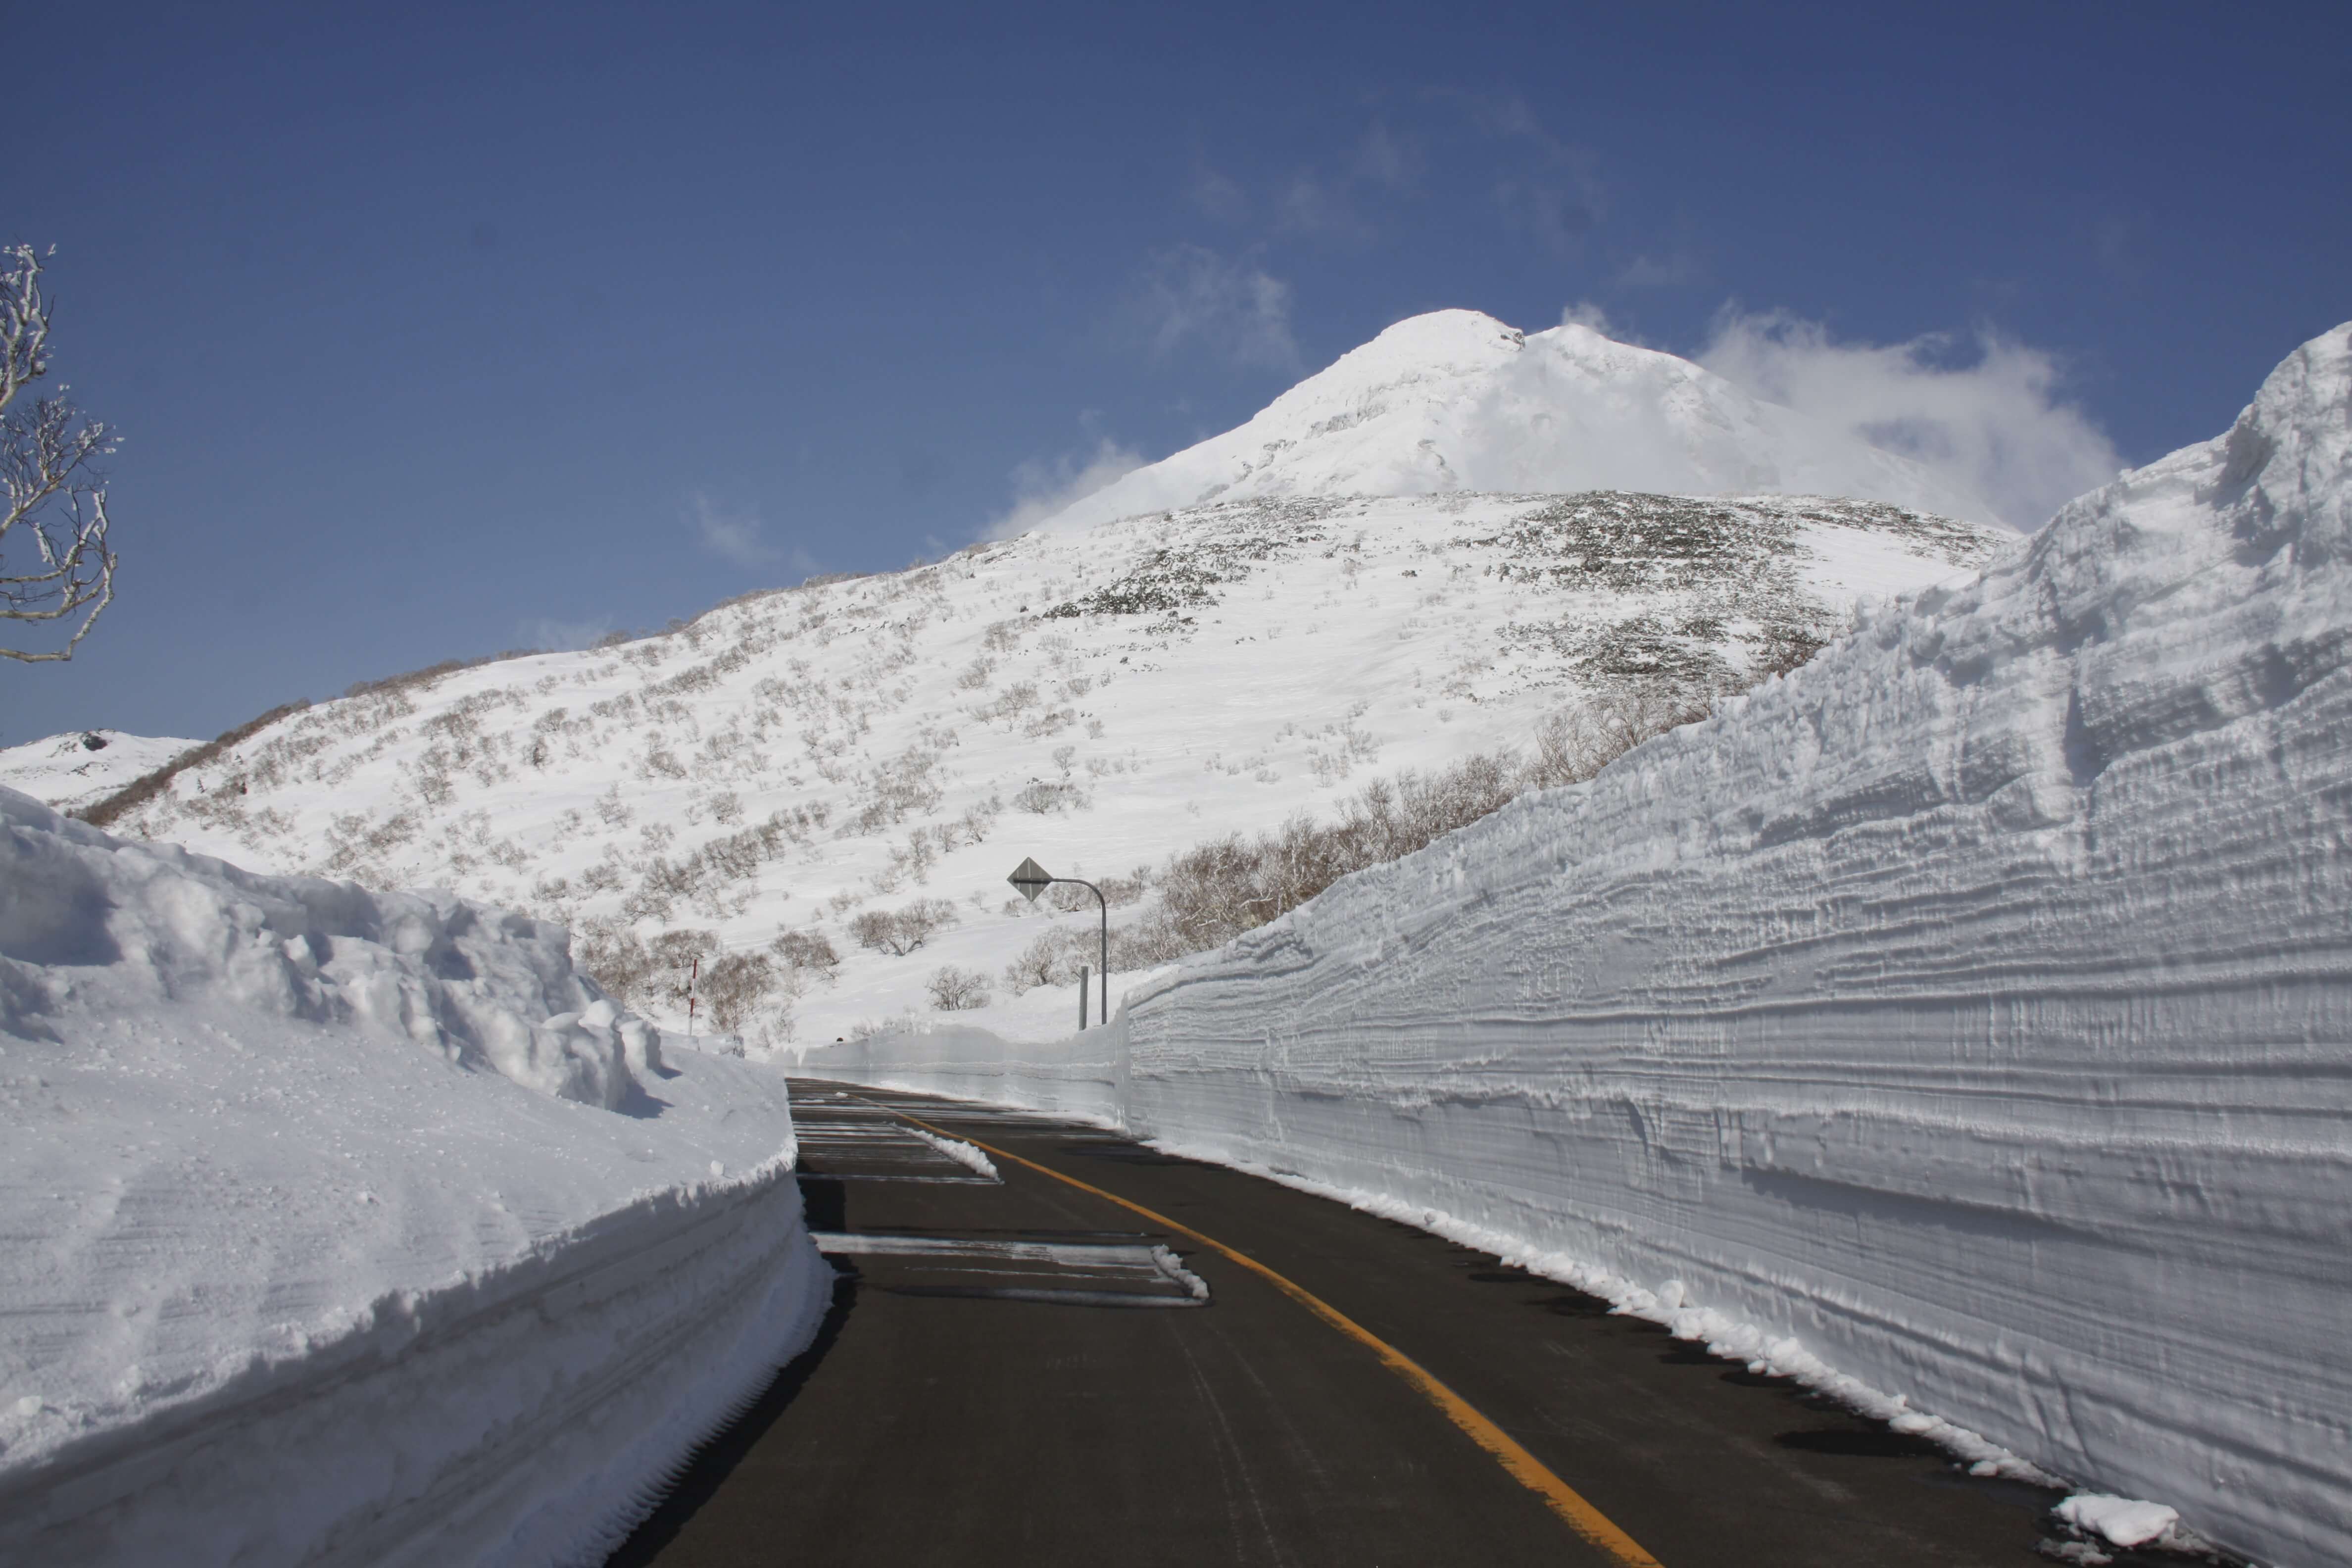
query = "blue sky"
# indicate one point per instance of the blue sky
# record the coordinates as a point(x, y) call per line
point(436, 330)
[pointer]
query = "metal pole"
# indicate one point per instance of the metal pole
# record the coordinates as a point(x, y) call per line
point(1090, 888)
point(1082, 997)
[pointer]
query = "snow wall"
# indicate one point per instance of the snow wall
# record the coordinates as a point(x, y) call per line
point(352, 1227)
point(1973, 1006)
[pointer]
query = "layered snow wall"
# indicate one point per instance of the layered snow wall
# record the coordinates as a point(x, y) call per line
point(354, 1228)
point(1974, 1006)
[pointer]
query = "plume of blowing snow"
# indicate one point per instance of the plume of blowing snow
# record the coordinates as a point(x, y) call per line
point(1993, 429)
point(1041, 488)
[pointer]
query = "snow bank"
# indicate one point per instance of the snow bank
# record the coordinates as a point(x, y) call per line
point(164, 927)
point(352, 1226)
point(1969, 1012)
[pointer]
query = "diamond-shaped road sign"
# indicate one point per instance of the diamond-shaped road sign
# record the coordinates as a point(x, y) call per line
point(1031, 878)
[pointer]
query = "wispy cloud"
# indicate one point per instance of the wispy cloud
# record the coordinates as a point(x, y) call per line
point(1992, 424)
point(1042, 487)
point(1669, 270)
point(1389, 161)
point(1215, 195)
point(736, 534)
point(1193, 299)
point(1383, 168)
point(1313, 205)
point(1549, 189)
point(552, 636)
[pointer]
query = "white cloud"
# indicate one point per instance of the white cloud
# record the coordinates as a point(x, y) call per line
point(736, 534)
point(1042, 488)
point(1994, 427)
point(1235, 311)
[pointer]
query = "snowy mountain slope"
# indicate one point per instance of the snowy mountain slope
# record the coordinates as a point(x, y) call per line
point(1970, 1012)
point(362, 1205)
point(1096, 699)
point(68, 771)
point(1456, 401)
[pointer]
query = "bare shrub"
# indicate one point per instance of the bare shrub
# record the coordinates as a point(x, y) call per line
point(609, 953)
point(900, 932)
point(1047, 799)
point(1214, 892)
point(1010, 703)
point(1117, 891)
point(735, 987)
point(678, 949)
point(957, 990)
point(979, 819)
point(49, 452)
point(1783, 648)
point(806, 952)
point(1053, 959)
point(905, 784)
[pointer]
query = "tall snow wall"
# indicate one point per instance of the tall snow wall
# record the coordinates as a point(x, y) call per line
point(352, 1228)
point(1974, 1006)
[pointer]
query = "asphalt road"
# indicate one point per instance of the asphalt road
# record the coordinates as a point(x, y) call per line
point(1011, 1375)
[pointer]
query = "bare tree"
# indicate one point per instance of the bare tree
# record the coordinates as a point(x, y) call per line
point(55, 563)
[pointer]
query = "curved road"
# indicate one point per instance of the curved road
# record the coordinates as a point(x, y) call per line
point(1012, 1375)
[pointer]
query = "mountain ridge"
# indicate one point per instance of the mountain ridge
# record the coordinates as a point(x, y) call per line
point(799, 758)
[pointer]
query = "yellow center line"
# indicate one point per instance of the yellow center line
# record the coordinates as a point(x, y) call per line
point(1524, 1467)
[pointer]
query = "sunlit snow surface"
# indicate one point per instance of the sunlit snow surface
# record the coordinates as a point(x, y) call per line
point(352, 1225)
point(1966, 1017)
point(801, 755)
point(67, 771)
point(1455, 401)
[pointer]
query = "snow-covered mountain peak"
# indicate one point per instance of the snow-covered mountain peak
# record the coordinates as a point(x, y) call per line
point(1458, 401)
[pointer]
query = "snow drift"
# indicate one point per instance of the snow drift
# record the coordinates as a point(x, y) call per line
point(1456, 401)
point(354, 1228)
point(1970, 1010)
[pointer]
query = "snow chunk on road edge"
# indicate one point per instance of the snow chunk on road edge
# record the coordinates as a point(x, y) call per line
point(2124, 1521)
point(962, 1153)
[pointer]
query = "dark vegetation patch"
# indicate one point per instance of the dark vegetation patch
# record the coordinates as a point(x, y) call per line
point(1226, 542)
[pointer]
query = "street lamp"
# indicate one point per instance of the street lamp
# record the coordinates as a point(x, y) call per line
point(1032, 879)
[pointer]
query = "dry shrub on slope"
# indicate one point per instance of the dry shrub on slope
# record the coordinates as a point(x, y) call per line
point(900, 932)
point(1214, 892)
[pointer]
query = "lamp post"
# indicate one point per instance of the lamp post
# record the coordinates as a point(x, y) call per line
point(1032, 879)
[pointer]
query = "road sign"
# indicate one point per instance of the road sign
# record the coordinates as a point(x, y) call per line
point(1031, 878)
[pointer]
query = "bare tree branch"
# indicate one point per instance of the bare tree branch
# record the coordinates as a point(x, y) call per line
point(56, 565)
